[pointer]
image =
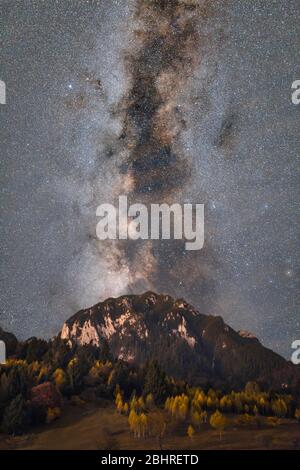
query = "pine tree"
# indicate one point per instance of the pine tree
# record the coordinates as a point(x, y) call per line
point(36, 349)
point(15, 416)
point(4, 389)
point(155, 382)
point(105, 351)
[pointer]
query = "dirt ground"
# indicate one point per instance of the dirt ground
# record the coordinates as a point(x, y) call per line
point(92, 427)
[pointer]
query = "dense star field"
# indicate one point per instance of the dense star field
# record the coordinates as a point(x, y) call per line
point(162, 101)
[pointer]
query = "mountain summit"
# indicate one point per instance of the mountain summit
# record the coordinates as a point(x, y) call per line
point(189, 345)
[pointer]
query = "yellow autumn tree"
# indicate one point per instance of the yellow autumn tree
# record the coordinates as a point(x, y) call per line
point(174, 406)
point(201, 398)
point(226, 403)
point(195, 405)
point(238, 405)
point(190, 431)
point(118, 397)
point(43, 374)
point(143, 424)
point(133, 421)
point(94, 371)
point(209, 403)
point(218, 421)
point(196, 418)
point(133, 403)
point(59, 377)
point(125, 409)
point(279, 408)
point(141, 404)
point(52, 414)
point(168, 403)
point(149, 400)
point(119, 402)
point(178, 406)
point(262, 405)
point(34, 367)
point(183, 409)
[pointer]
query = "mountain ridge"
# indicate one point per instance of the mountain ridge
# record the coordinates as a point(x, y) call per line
point(188, 344)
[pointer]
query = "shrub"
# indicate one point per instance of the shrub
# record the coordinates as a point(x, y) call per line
point(52, 414)
point(46, 395)
point(245, 420)
point(77, 401)
point(43, 397)
point(273, 421)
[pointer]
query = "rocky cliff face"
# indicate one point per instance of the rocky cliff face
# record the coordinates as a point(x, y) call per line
point(189, 345)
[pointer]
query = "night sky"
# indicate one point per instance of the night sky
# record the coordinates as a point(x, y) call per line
point(164, 101)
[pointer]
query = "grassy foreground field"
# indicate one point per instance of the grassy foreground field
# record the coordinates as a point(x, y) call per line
point(91, 427)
